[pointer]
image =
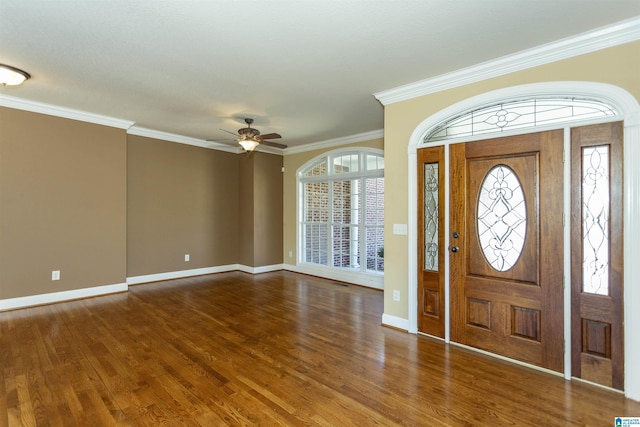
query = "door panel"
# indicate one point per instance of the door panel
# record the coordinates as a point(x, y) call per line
point(507, 261)
point(431, 307)
point(597, 255)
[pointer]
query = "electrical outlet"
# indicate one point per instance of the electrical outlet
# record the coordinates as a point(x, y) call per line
point(55, 275)
point(396, 295)
point(290, 254)
point(186, 257)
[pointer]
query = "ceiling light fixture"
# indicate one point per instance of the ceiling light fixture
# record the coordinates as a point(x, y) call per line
point(249, 144)
point(11, 76)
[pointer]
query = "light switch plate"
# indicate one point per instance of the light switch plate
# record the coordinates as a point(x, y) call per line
point(400, 229)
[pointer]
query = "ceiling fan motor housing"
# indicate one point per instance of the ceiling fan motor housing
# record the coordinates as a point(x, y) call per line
point(249, 132)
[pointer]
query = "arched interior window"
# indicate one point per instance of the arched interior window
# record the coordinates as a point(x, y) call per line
point(342, 210)
point(518, 114)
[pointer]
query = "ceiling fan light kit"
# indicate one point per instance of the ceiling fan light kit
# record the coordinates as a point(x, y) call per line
point(12, 76)
point(248, 144)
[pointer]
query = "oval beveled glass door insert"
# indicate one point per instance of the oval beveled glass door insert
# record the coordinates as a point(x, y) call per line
point(502, 218)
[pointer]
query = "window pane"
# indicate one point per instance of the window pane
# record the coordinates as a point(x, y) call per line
point(431, 188)
point(346, 250)
point(374, 201)
point(502, 218)
point(374, 162)
point(375, 249)
point(318, 170)
point(595, 220)
point(346, 163)
point(315, 240)
point(374, 218)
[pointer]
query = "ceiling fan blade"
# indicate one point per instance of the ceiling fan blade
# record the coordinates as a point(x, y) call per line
point(232, 133)
point(270, 136)
point(231, 142)
point(273, 144)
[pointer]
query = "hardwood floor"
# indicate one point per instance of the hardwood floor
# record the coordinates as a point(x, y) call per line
point(271, 349)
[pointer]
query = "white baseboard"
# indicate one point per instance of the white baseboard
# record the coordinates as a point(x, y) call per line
point(49, 298)
point(134, 280)
point(147, 278)
point(368, 280)
point(258, 270)
point(395, 322)
point(32, 300)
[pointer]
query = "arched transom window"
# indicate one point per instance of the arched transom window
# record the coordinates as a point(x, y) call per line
point(518, 114)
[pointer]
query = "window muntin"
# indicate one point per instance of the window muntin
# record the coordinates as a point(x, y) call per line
point(342, 222)
point(519, 114)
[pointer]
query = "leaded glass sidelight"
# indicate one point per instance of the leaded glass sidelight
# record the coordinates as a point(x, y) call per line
point(431, 185)
point(502, 218)
point(595, 220)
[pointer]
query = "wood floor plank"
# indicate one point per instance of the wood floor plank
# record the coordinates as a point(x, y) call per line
point(270, 349)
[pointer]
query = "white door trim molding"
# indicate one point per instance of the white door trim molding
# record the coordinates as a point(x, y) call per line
point(629, 110)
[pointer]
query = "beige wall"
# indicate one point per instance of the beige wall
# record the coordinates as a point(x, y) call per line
point(245, 213)
point(619, 66)
point(260, 209)
point(100, 205)
point(181, 200)
point(62, 204)
point(267, 209)
point(292, 163)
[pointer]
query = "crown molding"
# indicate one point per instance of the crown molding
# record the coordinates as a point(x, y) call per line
point(181, 139)
point(620, 33)
point(360, 137)
point(67, 113)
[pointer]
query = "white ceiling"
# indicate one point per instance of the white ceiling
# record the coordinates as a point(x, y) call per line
point(306, 69)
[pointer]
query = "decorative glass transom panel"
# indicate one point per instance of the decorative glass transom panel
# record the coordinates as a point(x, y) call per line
point(595, 220)
point(431, 216)
point(519, 114)
point(502, 218)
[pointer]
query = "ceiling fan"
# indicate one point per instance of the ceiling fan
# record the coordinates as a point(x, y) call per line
point(249, 138)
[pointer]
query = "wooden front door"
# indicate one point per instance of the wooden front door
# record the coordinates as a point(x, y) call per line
point(431, 307)
point(506, 247)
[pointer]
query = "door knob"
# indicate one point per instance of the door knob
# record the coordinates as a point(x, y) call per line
point(454, 249)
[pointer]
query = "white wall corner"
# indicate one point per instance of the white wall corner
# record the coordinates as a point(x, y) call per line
point(261, 269)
